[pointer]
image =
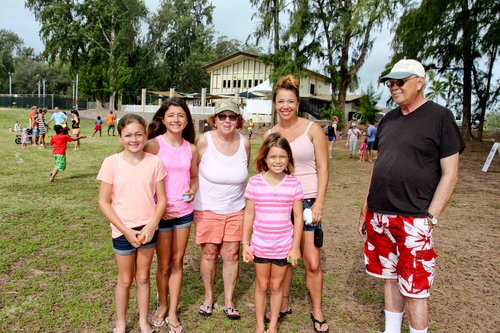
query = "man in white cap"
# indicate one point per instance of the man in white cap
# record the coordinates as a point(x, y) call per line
point(413, 178)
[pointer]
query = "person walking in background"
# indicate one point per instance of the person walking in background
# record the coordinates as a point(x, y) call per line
point(75, 127)
point(372, 133)
point(42, 127)
point(310, 153)
point(171, 134)
point(24, 137)
point(413, 178)
point(218, 204)
point(132, 198)
point(250, 128)
point(98, 126)
point(352, 140)
point(271, 197)
point(59, 141)
point(331, 130)
point(362, 150)
point(58, 117)
point(33, 125)
point(111, 122)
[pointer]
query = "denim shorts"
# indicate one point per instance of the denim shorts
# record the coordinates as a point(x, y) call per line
point(277, 262)
point(307, 203)
point(123, 247)
point(176, 223)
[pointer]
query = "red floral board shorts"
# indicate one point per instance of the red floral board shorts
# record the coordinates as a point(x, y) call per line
point(400, 247)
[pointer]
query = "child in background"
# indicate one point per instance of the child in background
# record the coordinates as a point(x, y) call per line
point(271, 196)
point(362, 150)
point(59, 141)
point(171, 134)
point(132, 197)
point(98, 126)
point(24, 138)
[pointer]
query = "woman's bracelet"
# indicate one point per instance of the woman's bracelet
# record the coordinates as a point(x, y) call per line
point(247, 243)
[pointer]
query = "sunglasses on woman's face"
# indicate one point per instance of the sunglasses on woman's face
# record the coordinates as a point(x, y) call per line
point(399, 83)
point(224, 116)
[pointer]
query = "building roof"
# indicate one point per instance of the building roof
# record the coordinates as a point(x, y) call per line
point(207, 67)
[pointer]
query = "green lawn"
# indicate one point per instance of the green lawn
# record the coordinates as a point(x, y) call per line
point(57, 269)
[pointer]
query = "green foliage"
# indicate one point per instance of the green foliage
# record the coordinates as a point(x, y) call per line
point(492, 121)
point(458, 35)
point(97, 37)
point(368, 105)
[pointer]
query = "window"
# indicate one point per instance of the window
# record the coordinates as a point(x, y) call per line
point(224, 82)
point(239, 83)
point(312, 89)
point(256, 82)
point(234, 83)
point(249, 83)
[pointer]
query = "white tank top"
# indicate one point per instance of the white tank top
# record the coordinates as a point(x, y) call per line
point(221, 179)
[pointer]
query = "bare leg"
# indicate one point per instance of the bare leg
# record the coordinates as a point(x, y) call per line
point(314, 276)
point(164, 254)
point(143, 265)
point(417, 312)
point(262, 274)
point(208, 266)
point(180, 239)
point(394, 301)
point(126, 268)
point(276, 286)
point(230, 266)
point(287, 284)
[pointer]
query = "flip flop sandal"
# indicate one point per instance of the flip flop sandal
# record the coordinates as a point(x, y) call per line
point(157, 321)
point(283, 314)
point(321, 323)
point(232, 313)
point(174, 329)
point(209, 309)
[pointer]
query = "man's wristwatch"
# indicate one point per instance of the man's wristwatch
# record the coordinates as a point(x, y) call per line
point(432, 218)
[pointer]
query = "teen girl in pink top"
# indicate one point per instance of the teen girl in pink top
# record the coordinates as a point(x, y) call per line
point(132, 198)
point(271, 197)
point(171, 137)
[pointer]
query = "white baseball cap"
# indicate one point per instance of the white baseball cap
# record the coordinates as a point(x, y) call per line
point(404, 68)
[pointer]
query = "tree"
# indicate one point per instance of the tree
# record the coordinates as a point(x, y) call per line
point(181, 36)
point(10, 45)
point(96, 37)
point(268, 11)
point(346, 32)
point(455, 33)
point(368, 105)
point(437, 88)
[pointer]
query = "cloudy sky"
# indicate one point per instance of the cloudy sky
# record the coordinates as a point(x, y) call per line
point(232, 18)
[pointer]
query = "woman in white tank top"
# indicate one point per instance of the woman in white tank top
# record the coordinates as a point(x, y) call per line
point(219, 202)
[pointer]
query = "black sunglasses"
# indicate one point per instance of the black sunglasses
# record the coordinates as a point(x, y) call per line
point(223, 116)
point(399, 83)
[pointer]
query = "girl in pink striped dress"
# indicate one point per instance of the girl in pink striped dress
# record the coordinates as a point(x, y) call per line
point(271, 196)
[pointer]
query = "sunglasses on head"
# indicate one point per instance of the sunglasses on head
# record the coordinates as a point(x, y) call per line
point(224, 116)
point(399, 82)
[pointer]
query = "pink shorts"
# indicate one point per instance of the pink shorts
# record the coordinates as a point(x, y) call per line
point(217, 228)
point(400, 247)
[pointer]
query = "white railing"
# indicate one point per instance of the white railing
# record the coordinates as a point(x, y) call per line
point(138, 108)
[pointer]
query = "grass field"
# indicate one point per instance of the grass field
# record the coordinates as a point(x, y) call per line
point(57, 269)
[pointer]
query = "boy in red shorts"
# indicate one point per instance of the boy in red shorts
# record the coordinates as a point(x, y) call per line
point(59, 141)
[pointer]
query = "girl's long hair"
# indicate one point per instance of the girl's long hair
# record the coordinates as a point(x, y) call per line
point(157, 127)
point(274, 140)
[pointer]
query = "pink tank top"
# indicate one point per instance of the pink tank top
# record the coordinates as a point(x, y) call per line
point(221, 179)
point(305, 163)
point(177, 162)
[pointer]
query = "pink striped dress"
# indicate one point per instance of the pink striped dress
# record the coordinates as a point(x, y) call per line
point(272, 227)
